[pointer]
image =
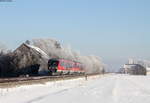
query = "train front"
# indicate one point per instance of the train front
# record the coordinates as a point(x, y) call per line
point(53, 66)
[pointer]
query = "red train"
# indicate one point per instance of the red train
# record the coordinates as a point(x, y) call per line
point(63, 66)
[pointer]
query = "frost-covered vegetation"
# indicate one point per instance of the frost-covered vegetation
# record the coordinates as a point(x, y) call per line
point(32, 57)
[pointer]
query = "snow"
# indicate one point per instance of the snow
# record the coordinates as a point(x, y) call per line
point(38, 50)
point(148, 69)
point(108, 89)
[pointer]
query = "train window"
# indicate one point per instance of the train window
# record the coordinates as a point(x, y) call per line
point(71, 65)
point(74, 65)
point(62, 64)
point(67, 65)
point(77, 66)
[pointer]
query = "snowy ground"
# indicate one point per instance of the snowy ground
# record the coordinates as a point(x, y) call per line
point(108, 89)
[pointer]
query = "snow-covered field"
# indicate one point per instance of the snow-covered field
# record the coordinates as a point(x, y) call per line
point(107, 89)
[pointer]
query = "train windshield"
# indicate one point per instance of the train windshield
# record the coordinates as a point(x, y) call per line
point(53, 63)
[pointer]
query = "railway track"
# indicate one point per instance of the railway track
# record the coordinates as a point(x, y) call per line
point(17, 79)
point(22, 79)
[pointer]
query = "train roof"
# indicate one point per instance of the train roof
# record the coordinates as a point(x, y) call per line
point(63, 59)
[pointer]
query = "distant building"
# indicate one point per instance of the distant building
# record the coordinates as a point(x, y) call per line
point(148, 70)
point(134, 69)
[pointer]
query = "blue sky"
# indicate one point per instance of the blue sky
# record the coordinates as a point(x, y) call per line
point(112, 29)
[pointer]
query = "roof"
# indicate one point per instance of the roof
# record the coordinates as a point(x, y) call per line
point(27, 46)
point(63, 59)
